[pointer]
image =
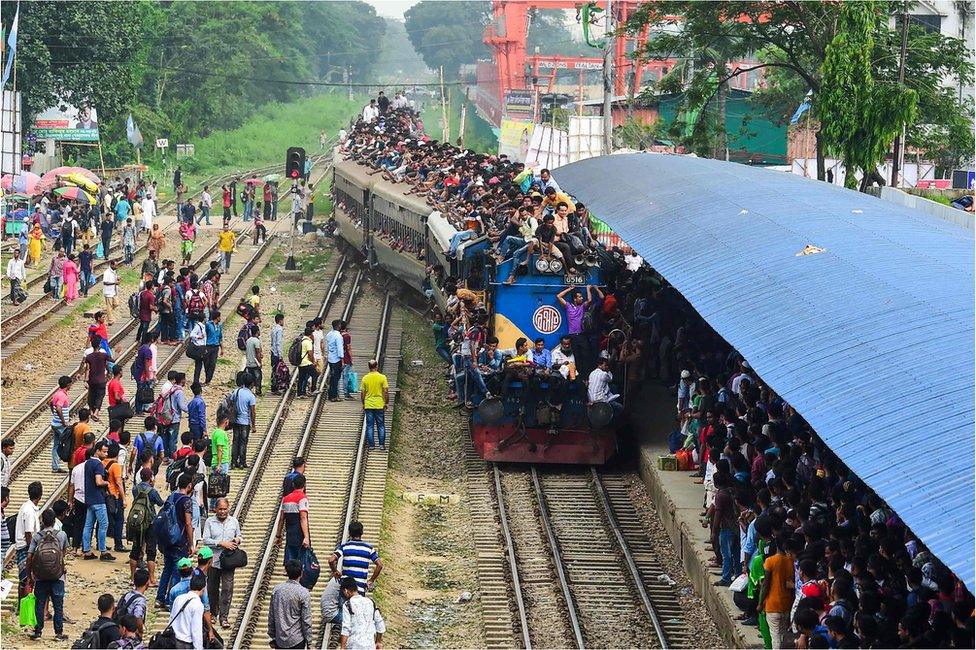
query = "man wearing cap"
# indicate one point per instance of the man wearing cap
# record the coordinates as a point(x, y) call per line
point(742, 375)
point(187, 572)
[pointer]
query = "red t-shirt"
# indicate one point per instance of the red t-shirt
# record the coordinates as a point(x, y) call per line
point(147, 299)
point(79, 456)
point(116, 392)
point(226, 198)
point(113, 436)
point(181, 452)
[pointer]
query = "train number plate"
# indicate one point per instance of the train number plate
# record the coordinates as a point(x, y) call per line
point(575, 278)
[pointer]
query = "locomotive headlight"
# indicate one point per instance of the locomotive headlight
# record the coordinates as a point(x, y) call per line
point(542, 265)
point(599, 414)
point(491, 410)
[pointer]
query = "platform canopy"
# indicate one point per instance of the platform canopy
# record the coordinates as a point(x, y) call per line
point(857, 311)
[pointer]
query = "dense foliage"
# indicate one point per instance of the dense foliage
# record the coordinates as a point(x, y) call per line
point(184, 69)
point(448, 34)
point(790, 40)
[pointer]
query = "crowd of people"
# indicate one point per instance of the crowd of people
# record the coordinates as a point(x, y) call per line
point(813, 556)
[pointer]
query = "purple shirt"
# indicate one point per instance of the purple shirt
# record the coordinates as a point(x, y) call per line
point(574, 314)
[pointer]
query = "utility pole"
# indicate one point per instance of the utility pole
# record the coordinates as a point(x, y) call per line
point(608, 81)
point(445, 135)
point(347, 73)
point(896, 155)
point(464, 115)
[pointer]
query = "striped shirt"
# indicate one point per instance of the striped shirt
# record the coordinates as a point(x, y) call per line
point(355, 556)
point(292, 506)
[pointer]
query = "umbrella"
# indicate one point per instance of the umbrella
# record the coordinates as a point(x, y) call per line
point(24, 182)
point(17, 196)
point(273, 178)
point(74, 194)
point(81, 181)
point(50, 180)
point(253, 181)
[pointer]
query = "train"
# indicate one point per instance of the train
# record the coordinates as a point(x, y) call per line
point(404, 237)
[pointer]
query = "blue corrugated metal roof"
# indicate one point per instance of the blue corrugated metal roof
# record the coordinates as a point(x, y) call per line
point(871, 340)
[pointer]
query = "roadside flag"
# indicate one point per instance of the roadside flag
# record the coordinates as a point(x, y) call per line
point(12, 47)
point(132, 133)
point(802, 108)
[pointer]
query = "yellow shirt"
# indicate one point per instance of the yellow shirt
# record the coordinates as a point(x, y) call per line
point(254, 300)
point(559, 198)
point(306, 348)
point(372, 386)
point(227, 239)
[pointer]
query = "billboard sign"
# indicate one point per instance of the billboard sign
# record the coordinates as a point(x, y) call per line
point(518, 104)
point(68, 125)
point(514, 138)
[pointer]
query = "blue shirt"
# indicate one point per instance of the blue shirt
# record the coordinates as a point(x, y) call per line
point(197, 412)
point(94, 495)
point(215, 333)
point(183, 586)
point(245, 400)
point(356, 556)
point(333, 343)
point(157, 445)
point(542, 359)
point(494, 362)
point(122, 209)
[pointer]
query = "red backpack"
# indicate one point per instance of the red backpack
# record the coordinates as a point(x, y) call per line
point(195, 304)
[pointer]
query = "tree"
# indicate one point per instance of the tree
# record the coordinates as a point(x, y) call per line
point(859, 117)
point(78, 53)
point(790, 39)
point(448, 34)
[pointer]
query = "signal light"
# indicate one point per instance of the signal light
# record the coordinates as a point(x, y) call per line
point(295, 162)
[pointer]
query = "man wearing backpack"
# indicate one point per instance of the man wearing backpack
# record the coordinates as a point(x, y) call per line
point(104, 629)
point(145, 500)
point(60, 412)
point(186, 618)
point(148, 441)
point(169, 410)
point(245, 403)
point(177, 516)
point(147, 306)
point(45, 565)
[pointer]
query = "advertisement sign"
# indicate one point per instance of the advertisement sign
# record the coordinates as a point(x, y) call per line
point(68, 125)
point(518, 104)
point(514, 138)
point(162, 143)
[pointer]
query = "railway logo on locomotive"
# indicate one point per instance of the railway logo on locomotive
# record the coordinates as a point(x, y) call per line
point(546, 319)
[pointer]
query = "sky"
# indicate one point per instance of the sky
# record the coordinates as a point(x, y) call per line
point(391, 8)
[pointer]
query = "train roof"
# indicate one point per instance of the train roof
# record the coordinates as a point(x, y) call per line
point(355, 173)
point(859, 312)
point(394, 194)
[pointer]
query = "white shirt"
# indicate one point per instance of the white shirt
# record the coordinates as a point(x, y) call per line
point(28, 521)
point(361, 627)
point(318, 336)
point(343, 136)
point(561, 358)
point(206, 200)
point(370, 113)
point(599, 388)
point(78, 480)
point(16, 270)
point(188, 626)
point(4, 470)
point(148, 211)
point(633, 262)
point(110, 288)
point(198, 334)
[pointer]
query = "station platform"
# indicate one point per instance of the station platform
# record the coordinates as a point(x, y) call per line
point(678, 500)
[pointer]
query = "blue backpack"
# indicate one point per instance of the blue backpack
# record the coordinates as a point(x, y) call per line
point(167, 526)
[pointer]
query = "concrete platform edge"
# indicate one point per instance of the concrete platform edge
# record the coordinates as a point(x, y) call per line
point(717, 599)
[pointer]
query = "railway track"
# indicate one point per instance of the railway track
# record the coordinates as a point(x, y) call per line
point(583, 571)
point(344, 481)
point(25, 323)
point(33, 462)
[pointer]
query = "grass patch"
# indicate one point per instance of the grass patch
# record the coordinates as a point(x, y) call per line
point(391, 508)
point(478, 134)
point(263, 139)
point(315, 261)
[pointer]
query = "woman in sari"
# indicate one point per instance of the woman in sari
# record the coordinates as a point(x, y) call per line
point(69, 275)
point(157, 240)
point(35, 241)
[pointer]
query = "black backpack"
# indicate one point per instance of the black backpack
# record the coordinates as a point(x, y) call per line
point(92, 637)
point(167, 638)
point(295, 351)
point(66, 443)
point(122, 607)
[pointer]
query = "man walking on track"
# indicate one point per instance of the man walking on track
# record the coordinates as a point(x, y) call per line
point(375, 391)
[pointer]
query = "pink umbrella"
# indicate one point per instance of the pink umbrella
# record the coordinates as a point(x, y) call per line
point(24, 182)
point(50, 180)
